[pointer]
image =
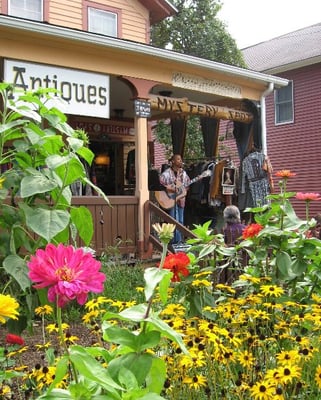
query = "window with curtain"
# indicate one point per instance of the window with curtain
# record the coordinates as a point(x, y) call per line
point(283, 101)
point(29, 9)
point(104, 22)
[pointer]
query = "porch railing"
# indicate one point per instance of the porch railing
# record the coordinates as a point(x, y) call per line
point(154, 214)
point(113, 224)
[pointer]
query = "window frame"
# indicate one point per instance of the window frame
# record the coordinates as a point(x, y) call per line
point(45, 11)
point(278, 104)
point(112, 10)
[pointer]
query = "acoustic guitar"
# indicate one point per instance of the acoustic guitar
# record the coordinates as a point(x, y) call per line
point(167, 200)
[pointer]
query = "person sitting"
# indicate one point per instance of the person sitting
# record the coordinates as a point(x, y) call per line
point(232, 231)
point(233, 227)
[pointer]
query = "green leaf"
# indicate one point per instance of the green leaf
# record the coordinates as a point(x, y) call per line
point(284, 264)
point(138, 364)
point(55, 394)
point(127, 379)
point(167, 331)
point(25, 111)
point(92, 369)
point(157, 375)
point(151, 396)
point(82, 218)
point(17, 268)
point(153, 276)
point(299, 267)
point(136, 313)
point(36, 183)
point(121, 336)
point(86, 154)
point(62, 236)
point(61, 371)
point(146, 340)
point(8, 130)
point(46, 223)
point(164, 285)
point(206, 250)
point(80, 391)
point(54, 161)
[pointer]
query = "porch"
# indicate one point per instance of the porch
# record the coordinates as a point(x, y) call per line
point(118, 222)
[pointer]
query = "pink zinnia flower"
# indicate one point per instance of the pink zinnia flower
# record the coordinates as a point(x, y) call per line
point(68, 272)
point(14, 339)
point(308, 196)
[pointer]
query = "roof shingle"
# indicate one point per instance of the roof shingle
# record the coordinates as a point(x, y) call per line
point(286, 52)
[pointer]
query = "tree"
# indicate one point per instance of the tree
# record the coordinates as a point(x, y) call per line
point(196, 31)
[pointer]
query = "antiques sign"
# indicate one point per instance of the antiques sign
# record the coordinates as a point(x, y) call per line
point(83, 93)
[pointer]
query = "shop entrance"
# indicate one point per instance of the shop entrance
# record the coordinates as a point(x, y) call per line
point(110, 169)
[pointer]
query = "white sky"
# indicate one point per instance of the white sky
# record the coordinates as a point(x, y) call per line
point(254, 21)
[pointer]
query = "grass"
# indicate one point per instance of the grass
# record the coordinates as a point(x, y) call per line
point(122, 281)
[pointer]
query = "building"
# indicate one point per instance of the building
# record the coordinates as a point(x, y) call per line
point(97, 54)
point(293, 113)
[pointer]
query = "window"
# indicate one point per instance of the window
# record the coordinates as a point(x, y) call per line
point(283, 100)
point(29, 9)
point(104, 22)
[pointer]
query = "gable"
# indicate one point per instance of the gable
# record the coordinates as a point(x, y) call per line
point(159, 9)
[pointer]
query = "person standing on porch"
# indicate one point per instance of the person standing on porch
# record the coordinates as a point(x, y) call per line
point(175, 180)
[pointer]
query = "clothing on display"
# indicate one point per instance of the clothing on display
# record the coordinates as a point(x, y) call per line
point(255, 178)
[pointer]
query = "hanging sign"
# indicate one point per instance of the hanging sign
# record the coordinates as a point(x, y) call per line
point(228, 180)
point(79, 92)
point(142, 108)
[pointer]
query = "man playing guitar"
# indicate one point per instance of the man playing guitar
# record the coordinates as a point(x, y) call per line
point(175, 179)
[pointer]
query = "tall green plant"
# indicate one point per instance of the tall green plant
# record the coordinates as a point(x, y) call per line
point(40, 157)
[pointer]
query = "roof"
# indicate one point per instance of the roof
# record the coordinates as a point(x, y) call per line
point(134, 48)
point(283, 53)
point(159, 9)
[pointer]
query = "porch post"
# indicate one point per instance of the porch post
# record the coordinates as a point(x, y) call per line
point(141, 89)
point(141, 168)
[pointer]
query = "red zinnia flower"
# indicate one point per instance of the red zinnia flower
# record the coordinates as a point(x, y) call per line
point(308, 196)
point(68, 272)
point(177, 263)
point(14, 339)
point(251, 230)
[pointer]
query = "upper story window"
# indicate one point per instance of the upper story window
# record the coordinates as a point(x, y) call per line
point(101, 21)
point(29, 9)
point(283, 102)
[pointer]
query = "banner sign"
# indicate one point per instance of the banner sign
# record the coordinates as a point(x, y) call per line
point(83, 93)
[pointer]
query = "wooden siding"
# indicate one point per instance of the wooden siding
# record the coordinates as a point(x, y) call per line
point(118, 221)
point(297, 146)
point(67, 13)
point(134, 17)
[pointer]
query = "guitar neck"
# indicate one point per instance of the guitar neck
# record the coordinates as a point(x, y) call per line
point(197, 178)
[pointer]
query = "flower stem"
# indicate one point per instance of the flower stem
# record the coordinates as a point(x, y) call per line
point(164, 252)
point(63, 343)
point(307, 210)
point(150, 300)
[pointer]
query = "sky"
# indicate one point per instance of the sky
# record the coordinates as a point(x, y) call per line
point(253, 21)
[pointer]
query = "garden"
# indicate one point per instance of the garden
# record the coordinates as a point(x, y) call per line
point(172, 330)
